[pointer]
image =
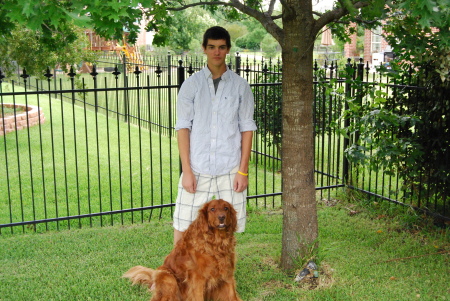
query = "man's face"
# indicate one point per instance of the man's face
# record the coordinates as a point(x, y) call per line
point(216, 52)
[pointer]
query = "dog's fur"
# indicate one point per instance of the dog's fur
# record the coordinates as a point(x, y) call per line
point(201, 266)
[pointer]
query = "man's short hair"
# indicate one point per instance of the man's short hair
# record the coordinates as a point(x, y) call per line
point(216, 33)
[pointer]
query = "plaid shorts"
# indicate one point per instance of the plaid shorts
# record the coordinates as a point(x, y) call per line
point(208, 187)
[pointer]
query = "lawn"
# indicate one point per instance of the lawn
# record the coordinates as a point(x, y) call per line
point(79, 163)
point(369, 251)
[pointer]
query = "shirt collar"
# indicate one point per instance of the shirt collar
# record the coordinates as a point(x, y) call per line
point(225, 75)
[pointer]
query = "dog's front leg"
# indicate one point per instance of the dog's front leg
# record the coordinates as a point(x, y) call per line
point(226, 291)
point(196, 288)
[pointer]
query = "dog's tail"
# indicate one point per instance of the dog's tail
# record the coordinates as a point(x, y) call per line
point(161, 282)
point(141, 275)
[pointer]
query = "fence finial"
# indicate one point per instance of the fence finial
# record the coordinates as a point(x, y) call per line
point(94, 71)
point(137, 71)
point(72, 72)
point(158, 70)
point(24, 75)
point(116, 72)
point(2, 76)
point(47, 74)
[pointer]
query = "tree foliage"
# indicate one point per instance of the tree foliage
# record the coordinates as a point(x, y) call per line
point(268, 107)
point(407, 133)
point(36, 50)
point(107, 18)
point(40, 34)
point(270, 46)
point(185, 29)
point(236, 30)
point(420, 31)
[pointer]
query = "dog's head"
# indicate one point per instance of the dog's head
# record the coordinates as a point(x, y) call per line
point(220, 215)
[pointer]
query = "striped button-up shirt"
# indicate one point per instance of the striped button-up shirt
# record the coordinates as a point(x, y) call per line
point(215, 120)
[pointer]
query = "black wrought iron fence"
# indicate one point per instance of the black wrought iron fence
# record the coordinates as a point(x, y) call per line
point(107, 154)
point(395, 125)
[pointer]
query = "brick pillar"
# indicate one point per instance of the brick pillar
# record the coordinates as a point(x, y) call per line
point(367, 46)
point(384, 43)
point(350, 48)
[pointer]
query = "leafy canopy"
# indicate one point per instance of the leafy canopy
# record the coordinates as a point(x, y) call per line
point(107, 18)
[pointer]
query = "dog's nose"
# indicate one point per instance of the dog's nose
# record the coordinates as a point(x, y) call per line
point(221, 218)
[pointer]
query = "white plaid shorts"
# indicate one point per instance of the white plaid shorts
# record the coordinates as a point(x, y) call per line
point(208, 187)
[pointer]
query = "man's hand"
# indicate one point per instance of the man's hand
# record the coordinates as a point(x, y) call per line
point(189, 182)
point(240, 183)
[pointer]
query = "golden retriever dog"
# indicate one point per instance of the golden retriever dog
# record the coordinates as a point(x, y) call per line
point(201, 265)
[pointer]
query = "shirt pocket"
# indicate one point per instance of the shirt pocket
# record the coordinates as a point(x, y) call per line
point(229, 109)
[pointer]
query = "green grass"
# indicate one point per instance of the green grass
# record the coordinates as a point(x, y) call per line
point(107, 164)
point(118, 172)
point(370, 255)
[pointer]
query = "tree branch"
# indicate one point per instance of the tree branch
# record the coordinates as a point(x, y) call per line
point(287, 10)
point(271, 7)
point(334, 15)
point(186, 6)
point(265, 18)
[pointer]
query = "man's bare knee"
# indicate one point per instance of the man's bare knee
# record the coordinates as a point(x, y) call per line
point(176, 236)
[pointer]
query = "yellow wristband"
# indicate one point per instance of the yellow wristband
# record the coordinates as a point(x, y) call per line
point(241, 173)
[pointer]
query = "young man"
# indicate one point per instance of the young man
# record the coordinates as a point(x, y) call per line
point(215, 128)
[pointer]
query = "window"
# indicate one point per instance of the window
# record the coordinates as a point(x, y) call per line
point(376, 40)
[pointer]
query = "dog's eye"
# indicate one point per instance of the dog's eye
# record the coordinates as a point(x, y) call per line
point(213, 209)
point(226, 208)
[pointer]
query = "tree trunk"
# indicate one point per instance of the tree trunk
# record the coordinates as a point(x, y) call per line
point(300, 228)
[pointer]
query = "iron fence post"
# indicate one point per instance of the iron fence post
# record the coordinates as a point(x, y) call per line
point(360, 69)
point(169, 92)
point(125, 84)
point(181, 75)
point(238, 63)
point(348, 93)
point(359, 92)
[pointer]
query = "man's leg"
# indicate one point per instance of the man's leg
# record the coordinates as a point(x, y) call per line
point(176, 236)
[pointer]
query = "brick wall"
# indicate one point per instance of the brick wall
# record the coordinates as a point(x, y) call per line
point(33, 116)
point(350, 48)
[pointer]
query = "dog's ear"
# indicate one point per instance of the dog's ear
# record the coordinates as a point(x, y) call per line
point(203, 217)
point(233, 218)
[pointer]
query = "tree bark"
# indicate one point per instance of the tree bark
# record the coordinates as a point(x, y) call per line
point(300, 227)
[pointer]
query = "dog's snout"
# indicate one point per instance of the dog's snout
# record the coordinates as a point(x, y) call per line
point(221, 217)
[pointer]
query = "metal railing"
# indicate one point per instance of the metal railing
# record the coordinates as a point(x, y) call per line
point(107, 152)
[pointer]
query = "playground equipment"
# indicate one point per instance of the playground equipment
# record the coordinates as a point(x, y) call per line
point(131, 53)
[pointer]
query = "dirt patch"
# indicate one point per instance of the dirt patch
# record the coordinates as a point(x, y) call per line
point(6, 111)
point(323, 278)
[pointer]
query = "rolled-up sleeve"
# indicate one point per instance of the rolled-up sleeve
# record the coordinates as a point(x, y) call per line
point(246, 110)
point(185, 106)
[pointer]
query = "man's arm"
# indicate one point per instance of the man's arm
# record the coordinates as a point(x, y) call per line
point(241, 181)
point(189, 183)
